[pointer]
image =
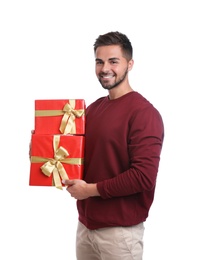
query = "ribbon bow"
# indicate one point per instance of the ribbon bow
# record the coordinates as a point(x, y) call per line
point(68, 119)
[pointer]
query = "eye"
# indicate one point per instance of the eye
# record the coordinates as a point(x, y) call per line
point(99, 62)
point(114, 61)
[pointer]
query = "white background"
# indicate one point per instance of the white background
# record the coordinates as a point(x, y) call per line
point(46, 51)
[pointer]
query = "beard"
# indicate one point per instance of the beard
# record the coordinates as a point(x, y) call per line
point(116, 83)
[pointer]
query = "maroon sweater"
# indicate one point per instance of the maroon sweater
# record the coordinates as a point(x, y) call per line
point(124, 138)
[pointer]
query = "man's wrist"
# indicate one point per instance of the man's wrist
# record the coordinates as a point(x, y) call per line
point(93, 191)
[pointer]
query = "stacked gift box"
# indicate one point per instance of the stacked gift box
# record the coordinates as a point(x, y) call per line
point(57, 145)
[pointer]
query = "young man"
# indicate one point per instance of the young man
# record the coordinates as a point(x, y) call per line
point(124, 138)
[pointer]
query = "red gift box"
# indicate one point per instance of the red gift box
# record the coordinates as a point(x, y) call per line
point(61, 116)
point(56, 157)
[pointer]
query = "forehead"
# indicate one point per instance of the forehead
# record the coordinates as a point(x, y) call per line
point(108, 52)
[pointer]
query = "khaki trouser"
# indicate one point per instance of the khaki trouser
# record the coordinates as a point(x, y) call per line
point(115, 243)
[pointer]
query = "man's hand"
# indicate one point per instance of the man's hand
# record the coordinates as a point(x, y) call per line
point(30, 144)
point(81, 190)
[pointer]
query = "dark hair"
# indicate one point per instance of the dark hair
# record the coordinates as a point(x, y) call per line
point(115, 38)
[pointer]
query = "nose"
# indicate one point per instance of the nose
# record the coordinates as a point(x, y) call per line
point(105, 67)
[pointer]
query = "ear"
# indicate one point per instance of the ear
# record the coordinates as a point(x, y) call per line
point(130, 64)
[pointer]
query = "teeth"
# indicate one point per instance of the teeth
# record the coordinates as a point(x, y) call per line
point(108, 77)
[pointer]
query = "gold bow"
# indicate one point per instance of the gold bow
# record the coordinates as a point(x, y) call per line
point(68, 119)
point(54, 165)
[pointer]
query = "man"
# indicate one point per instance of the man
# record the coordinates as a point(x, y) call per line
point(124, 137)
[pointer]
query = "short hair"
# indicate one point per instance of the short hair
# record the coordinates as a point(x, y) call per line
point(115, 38)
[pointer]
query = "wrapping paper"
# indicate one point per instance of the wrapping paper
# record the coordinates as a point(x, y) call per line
point(56, 157)
point(61, 116)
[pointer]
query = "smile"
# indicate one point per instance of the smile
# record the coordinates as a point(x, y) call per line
point(107, 76)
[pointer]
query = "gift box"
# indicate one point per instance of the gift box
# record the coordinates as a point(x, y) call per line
point(55, 158)
point(62, 116)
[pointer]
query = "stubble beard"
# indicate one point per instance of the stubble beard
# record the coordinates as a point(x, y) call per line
point(115, 84)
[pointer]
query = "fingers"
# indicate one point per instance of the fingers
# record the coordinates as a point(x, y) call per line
point(32, 132)
point(68, 182)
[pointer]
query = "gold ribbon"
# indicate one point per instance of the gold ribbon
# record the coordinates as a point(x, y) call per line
point(54, 165)
point(69, 114)
point(68, 120)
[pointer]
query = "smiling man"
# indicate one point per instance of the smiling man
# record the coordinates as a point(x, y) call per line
point(112, 66)
point(124, 138)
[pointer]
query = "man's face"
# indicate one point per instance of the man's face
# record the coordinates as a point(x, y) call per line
point(111, 67)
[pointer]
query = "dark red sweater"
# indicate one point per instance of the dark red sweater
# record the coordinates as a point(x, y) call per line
point(124, 138)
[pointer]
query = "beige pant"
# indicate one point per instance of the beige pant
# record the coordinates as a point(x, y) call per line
point(115, 243)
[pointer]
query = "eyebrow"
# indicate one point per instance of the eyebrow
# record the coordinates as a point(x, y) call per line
point(97, 59)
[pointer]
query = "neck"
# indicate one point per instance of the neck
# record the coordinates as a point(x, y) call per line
point(118, 92)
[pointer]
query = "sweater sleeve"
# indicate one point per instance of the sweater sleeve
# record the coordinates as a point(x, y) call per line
point(145, 140)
